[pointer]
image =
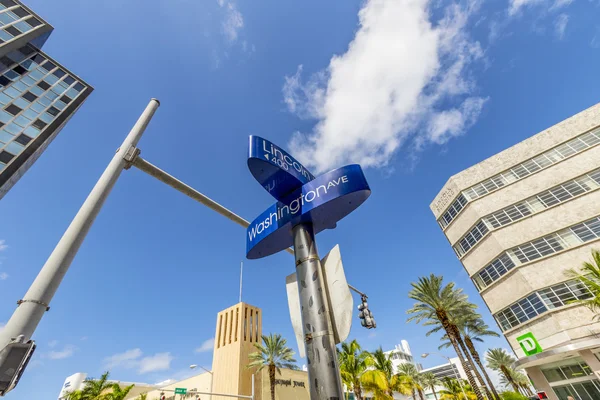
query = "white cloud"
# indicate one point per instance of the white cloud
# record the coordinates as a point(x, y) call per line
point(207, 345)
point(234, 21)
point(400, 71)
point(3, 276)
point(517, 5)
point(52, 343)
point(560, 25)
point(66, 352)
point(157, 362)
point(3, 245)
point(132, 359)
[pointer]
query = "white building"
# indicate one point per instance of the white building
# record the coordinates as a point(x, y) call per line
point(401, 354)
point(518, 221)
point(452, 369)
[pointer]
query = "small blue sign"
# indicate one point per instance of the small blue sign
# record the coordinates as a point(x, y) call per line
point(323, 201)
point(278, 172)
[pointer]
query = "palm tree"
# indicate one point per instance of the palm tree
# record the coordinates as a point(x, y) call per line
point(472, 327)
point(274, 354)
point(499, 360)
point(455, 390)
point(430, 381)
point(590, 276)
point(94, 389)
point(143, 396)
point(380, 378)
point(411, 379)
point(117, 392)
point(436, 304)
point(353, 363)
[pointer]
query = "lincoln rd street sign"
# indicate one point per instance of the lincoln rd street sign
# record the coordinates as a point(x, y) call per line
point(305, 205)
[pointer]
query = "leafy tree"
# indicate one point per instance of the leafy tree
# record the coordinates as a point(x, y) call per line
point(472, 328)
point(117, 392)
point(430, 381)
point(274, 354)
point(513, 396)
point(456, 390)
point(499, 360)
point(143, 396)
point(411, 379)
point(380, 378)
point(436, 303)
point(353, 364)
point(590, 276)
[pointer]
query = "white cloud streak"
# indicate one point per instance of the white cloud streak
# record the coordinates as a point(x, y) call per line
point(393, 84)
point(206, 346)
point(560, 25)
point(234, 21)
point(132, 359)
point(3, 276)
point(52, 343)
point(3, 245)
point(66, 352)
point(516, 6)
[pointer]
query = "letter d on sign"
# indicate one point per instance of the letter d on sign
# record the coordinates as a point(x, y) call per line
point(529, 344)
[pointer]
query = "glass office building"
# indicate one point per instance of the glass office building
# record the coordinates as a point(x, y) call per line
point(37, 94)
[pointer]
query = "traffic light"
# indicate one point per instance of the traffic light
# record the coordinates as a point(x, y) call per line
point(13, 361)
point(365, 314)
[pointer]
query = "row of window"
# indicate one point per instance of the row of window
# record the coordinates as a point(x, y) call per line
point(542, 247)
point(541, 301)
point(539, 202)
point(15, 22)
point(36, 92)
point(567, 372)
point(520, 171)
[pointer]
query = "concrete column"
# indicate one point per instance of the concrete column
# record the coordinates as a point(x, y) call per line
point(540, 383)
point(591, 360)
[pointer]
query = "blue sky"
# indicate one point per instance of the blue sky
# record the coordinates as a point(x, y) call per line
point(414, 90)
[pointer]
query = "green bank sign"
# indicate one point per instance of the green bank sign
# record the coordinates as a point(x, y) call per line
point(529, 344)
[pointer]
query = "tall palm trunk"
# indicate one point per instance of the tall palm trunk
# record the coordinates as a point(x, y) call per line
point(477, 359)
point(421, 394)
point(272, 380)
point(461, 343)
point(451, 332)
point(357, 390)
point(509, 378)
point(414, 394)
point(434, 393)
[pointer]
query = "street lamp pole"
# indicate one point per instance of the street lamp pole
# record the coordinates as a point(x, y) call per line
point(36, 301)
point(454, 370)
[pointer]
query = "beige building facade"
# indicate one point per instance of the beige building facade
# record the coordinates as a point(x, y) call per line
point(518, 222)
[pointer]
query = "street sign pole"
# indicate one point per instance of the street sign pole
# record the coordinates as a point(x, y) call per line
point(36, 301)
point(321, 353)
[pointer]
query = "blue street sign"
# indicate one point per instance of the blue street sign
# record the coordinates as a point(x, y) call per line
point(323, 201)
point(277, 171)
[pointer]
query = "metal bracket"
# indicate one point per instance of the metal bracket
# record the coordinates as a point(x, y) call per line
point(130, 155)
point(34, 301)
point(309, 258)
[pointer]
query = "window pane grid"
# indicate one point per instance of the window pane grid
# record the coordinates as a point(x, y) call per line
point(520, 171)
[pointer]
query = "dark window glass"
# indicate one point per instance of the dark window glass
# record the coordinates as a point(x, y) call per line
point(38, 58)
point(8, 3)
point(14, 110)
point(20, 12)
point(59, 73)
point(53, 111)
point(5, 157)
point(38, 123)
point(34, 22)
point(49, 66)
point(6, 61)
point(69, 80)
point(66, 99)
point(19, 70)
point(4, 81)
point(78, 87)
point(43, 85)
point(29, 96)
point(13, 31)
point(27, 50)
point(23, 139)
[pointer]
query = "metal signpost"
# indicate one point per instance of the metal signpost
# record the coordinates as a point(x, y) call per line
point(306, 205)
point(180, 391)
